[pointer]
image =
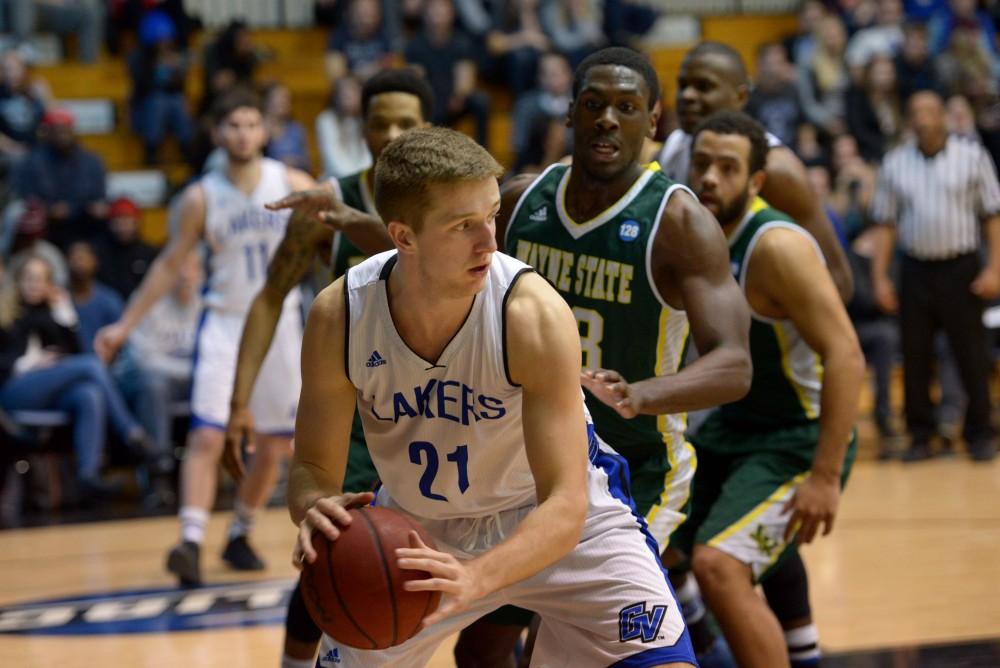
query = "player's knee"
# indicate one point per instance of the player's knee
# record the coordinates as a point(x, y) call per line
point(272, 450)
point(205, 442)
point(714, 568)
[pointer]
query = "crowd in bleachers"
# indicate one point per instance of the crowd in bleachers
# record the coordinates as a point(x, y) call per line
point(835, 92)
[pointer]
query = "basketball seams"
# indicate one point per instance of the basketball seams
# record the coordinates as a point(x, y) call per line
point(336, 592)
point(390, 583)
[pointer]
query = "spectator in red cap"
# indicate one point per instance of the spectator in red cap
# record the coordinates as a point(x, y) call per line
point(124, 257)
point(67, 178)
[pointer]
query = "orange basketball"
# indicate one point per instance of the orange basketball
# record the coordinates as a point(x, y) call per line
point(354, 589)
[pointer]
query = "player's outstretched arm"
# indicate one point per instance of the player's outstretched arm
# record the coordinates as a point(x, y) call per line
point(161, 276)
point(786, 269)
point(543, 352)
point(304, 239)
point(365, 231)
point(690, 268)
point(316, 500)
point(787, 189)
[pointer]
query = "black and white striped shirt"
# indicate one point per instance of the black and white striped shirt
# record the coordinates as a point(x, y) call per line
point(937, 202)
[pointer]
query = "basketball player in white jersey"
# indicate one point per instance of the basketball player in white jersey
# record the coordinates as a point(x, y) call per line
point(225, 209)
point(464, 365)
point(712, 77)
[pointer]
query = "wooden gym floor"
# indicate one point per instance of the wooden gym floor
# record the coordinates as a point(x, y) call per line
point(914, 560)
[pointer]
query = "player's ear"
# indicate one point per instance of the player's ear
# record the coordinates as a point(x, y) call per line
point(569, 113)
point(742, 95)
point(402, 235)
point(654, 118)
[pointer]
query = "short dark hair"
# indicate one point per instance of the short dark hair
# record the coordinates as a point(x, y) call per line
point(233, 100)
point(399, 80)
point(737, 123)
point(724, 51)
point(623, 57)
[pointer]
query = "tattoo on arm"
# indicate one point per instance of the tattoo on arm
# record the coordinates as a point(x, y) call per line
point(293, 258)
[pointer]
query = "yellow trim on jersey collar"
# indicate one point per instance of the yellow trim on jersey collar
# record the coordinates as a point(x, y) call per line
point(577, 229)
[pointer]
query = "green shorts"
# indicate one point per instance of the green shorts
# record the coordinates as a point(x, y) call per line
point(661, 494)
point(743, 481)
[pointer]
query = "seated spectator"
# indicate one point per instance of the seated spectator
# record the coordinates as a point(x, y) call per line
point(874, 116)
point(22, 103)
point(799, 46)
point(961, 118)
point(156, 366)
point(230, 62)
point(884, 38)
point(964, 13)
point(286, 136)
point(158, 70)
point(914, 67)
point(82, 18)
point(447, 60)
point(540, 116)
point(29, 232)
point(574, 26)
point(808, 146)
point(362, 45)
point(123, 258)
point(853, 185)
point(96, 304)
point(856, 14)
point(125, 16)
point(966, 67)
point(823, 79)
point(67, 178)
point(339, 131)
point(516, 42)
point(42, 368)
point(774, 100)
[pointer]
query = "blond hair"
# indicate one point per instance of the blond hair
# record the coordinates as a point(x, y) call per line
point(419, 158)
point(10, 290)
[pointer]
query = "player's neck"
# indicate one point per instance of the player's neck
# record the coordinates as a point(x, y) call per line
point(424, 319)
point(587, 197)
point(245, 175)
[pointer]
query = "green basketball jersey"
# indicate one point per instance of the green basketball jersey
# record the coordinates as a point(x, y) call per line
point(787, 373)
point(355, 191)
point(601, 268)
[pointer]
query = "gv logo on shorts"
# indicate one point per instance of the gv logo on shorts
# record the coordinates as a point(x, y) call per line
point(635, 622)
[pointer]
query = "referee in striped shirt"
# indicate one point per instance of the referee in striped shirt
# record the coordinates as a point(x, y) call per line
point(931, 196)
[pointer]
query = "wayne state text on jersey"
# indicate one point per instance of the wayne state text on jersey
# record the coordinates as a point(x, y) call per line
point(444, 399)
point(585, 275)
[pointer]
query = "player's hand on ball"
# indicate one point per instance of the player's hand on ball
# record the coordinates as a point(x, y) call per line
point(611, 388)
point(455, 579)
point(814, 504)
point(239, 438)
point(324, 516)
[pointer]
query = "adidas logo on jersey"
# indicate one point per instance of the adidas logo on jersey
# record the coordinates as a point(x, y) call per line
point(333, 656)
point(540, 216)
point(375, 360)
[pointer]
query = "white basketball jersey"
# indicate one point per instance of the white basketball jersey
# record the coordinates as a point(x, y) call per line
point(446, 438)
point(675, 156)
point(242, 236)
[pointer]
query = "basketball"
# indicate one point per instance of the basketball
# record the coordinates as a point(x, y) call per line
point(354, 589)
